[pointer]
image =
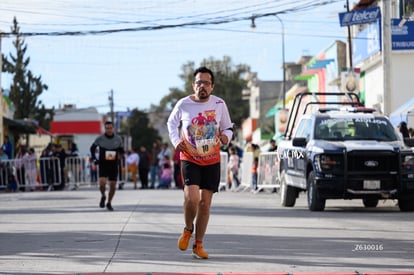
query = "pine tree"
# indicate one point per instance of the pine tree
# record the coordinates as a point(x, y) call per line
point(26, 87)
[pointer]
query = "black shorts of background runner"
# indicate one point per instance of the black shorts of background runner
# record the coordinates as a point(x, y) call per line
point(108, 171)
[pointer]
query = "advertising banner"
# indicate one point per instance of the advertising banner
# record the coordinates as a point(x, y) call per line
point(402, 36)
point(359, 17)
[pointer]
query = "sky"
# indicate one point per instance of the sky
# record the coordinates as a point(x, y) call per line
point(137, 48)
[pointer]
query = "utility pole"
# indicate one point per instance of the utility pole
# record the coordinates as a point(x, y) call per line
point(111, 106)
point(283, 61)
point(1, 95)
point(349, 41)
point(386, 55)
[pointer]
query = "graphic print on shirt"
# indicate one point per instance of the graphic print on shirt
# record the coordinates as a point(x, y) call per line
point(201, 132)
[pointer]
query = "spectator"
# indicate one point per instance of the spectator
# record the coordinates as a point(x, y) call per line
point(3, 155)
point(46, 167)
point(59, 155)
point(7, 147)
point(255, 149)
point(20, 170)
point(233, 168)
point(3, 168)
point(121, 170)
point(177, 170)
point(255, 165)
point(93, 166)
point(154, 169)
point(411, 132)
point(273, 146)
point(132, 161)
point(74, 165)
point(93, 170)
point(165, 151)
point(251, 147)
point(144, 166)
point(30, 165)
point(403, 130)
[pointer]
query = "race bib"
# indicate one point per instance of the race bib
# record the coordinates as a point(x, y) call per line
point(110, 155)
point(205, 146)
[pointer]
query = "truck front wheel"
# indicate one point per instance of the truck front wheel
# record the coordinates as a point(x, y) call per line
point(288, 193)
point(315, 203)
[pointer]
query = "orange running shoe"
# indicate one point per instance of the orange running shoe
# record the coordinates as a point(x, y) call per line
point(184, 239)
point(198, 251)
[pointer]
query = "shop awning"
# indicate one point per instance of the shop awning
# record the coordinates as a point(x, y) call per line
point(320, 64)
point(25, 126)
point(20, 126)
point(307, 74)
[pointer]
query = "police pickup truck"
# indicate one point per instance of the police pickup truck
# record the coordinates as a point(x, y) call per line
point(342, 150)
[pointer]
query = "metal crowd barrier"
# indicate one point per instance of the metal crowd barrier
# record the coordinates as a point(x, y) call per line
point(224, 160)
point(78, 171)
point(50, 173)
point(16, 175)
point(267, 174)
point(7, 178)
point(246, 171)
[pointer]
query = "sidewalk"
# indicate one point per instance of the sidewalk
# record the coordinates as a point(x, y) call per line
point(65, 232)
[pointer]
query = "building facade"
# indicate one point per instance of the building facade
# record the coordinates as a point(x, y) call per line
point(383, 51)
point(81, 126)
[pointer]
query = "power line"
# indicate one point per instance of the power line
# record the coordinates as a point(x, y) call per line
point(211, 21)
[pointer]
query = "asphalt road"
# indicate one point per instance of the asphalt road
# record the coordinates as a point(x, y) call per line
point(65, 232)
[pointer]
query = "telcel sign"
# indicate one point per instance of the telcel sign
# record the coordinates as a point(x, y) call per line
point(359, 17)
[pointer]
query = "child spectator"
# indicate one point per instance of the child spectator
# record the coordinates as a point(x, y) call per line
point(254, 173)
point(166, 174)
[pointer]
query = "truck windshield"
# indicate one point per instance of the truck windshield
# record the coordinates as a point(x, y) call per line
point(356, 128)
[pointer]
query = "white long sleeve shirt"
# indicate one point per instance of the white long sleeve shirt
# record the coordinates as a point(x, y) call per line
point(202, 123)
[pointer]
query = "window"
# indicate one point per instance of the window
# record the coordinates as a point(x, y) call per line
point(406, 8)
point(304, 129)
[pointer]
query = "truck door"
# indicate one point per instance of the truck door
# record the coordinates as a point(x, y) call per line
point(297, 156)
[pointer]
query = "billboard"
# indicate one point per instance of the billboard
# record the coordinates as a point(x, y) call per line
point(359, 17)
point(366, 43)
point(402, 37)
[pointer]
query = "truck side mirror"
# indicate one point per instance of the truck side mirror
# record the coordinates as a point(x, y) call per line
point(299, 141)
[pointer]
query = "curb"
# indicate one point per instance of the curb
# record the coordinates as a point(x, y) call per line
point(246, 273)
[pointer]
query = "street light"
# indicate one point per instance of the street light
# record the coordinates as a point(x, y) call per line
point(253, 25)
point(283, 61)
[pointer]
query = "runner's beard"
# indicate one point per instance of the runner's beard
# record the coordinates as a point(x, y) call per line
point(203, 94)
